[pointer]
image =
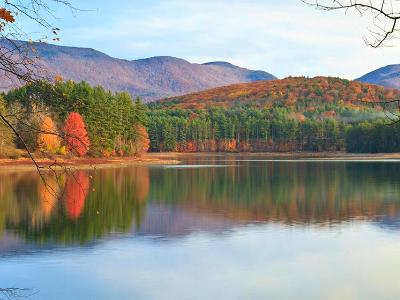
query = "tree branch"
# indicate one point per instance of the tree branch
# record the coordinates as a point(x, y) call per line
point(383, 13)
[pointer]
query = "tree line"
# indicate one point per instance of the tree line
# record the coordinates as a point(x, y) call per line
point(68, 118)
point(75, 118)
point(275, 129)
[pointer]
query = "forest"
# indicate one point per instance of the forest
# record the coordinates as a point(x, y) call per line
point(278, 129)
point(76, 119)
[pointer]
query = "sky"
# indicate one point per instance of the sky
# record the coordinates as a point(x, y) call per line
point(283, 37)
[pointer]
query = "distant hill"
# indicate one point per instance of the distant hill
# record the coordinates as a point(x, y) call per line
point(388, 76)
point(150, 78)
point(290, 91)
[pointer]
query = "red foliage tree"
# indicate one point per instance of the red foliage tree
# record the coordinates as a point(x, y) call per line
point(76, 190)
point(77, 140)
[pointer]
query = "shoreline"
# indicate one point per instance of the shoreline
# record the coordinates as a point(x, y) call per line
point(173, 158)
point(281, 155)
point(26, 164)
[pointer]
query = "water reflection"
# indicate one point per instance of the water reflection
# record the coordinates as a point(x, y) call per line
point(85, 206)
point(76, 191)
point(72, 208)
point(291, 193)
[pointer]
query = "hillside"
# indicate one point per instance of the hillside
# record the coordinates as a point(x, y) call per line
point(289, 92)
point(150, 78)
point(388, 76)
point(289, 115)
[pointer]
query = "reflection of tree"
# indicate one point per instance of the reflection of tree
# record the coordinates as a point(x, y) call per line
point(141, 182)
point(49, 194)
point(141, 185)
point(115, 200)
point(76, 190)
point(27, 206)
point(7, 199)
point(283, 192)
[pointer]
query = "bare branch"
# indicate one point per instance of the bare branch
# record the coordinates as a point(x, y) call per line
point(385, 16)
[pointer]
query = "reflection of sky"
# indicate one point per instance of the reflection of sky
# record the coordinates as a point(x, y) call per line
point(353, 261)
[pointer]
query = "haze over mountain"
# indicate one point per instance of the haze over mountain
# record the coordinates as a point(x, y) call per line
point(150, 78)
point(388, 76)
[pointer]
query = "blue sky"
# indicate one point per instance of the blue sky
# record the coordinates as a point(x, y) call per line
point(283, 37)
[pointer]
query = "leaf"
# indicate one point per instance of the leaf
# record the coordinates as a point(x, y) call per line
point(6, 15)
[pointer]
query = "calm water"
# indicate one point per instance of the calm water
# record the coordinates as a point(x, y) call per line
point(214, 228)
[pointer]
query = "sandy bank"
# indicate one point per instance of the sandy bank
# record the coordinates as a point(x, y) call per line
point(26, 164)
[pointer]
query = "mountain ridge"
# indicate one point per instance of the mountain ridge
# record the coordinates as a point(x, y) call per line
point(387, 76)
point(149, 78)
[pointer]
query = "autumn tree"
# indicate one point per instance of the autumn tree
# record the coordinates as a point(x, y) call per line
point(140, 144)
point(76, 137)
point(48, 139)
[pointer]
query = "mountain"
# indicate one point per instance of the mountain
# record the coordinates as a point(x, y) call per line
point(388, 76)
point(150, 78)
point(308, 93)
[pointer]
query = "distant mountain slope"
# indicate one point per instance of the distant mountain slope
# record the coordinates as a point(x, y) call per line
point(308, 93)
point(388, 76)
point(151, 78)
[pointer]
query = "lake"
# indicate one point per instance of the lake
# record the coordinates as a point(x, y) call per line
point(214, 227)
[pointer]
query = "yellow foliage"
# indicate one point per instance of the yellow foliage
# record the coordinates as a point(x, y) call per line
point(48, 140)
point(62, 150)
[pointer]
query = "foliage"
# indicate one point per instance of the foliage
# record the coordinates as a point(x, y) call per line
point(110, 119)
point(76, 138)
point(140, 143)
point(293, 114)
point(290, 92)
point(374, 137)
point(6, 137)
point(243, 129)
point(48, 139)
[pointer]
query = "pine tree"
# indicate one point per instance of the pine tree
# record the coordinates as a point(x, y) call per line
point(6, 136)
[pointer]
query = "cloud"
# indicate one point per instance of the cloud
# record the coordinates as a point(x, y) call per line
point(288, 38)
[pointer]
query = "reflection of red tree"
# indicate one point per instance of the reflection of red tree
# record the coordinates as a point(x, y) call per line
point(76, 191)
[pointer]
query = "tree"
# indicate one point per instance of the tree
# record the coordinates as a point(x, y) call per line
point(385, 16)
point(48, 139)
point(17, 59)
point(141, 141)
point(76, 137)
point(6, 137)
